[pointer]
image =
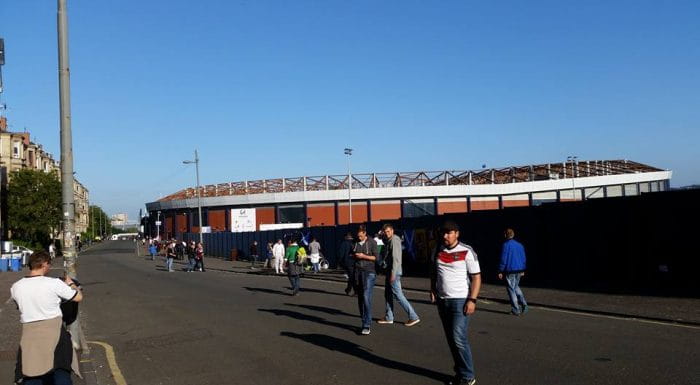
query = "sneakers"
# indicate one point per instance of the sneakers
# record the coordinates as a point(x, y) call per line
point(365, 331)
point(525, 310)
point(412, 322)
point(461, 381)
point(385, 321)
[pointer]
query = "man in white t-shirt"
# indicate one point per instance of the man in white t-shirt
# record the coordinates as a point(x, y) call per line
point(39, 298)
point(455, 281)
point(278, 256)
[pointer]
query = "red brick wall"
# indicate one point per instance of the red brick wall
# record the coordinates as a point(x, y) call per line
point(359, 213)
point(452, 207)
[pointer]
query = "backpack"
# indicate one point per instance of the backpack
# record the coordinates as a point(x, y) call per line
point(301, 255)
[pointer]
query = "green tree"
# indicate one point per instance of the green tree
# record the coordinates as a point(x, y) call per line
point(33, 205)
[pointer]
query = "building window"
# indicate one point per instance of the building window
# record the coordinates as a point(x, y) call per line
point(291, 214)
point(16, 150)
point(418, 207)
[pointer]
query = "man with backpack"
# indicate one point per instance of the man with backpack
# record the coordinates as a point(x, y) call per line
point(293, 260)
point(392, 256)
point(365, 254)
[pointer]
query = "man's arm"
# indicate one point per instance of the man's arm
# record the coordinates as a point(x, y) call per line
point(396, 254)
point(474, 288)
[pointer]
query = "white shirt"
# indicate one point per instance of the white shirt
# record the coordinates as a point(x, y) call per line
point(278, 250)
point(453, 267)
point(39, 298)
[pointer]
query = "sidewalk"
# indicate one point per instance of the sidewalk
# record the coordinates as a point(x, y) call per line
point(10, 329)
point(665, 309)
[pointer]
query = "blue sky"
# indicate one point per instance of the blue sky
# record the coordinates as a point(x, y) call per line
point(267, 89)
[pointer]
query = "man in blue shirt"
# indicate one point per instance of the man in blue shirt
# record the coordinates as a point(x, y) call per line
point(512, 266)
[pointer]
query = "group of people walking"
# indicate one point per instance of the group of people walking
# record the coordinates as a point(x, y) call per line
point(455, 282)
point(178, 249)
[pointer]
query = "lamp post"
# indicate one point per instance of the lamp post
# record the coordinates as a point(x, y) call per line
point(348, 152)
point(158, 226)
point(572, 159)
point(199, 205)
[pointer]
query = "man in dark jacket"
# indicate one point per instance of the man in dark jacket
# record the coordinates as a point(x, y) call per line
point(346, 261)
point(513, 267)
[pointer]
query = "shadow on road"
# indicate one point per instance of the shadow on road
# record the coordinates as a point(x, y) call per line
point(266, 291)
point(306, 317)
point(308, 290)
point(353, 349)
point(322, 309)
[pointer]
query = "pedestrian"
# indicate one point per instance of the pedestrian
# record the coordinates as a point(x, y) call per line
point(191, 256)
point(278, 256)
point(512, 266)
point(392, 287)
point(199, 257)
point(347, 262)
point(153, 250)
point(293, 260)
point(268, 255)
point(180, 250)
point(47, 355)
point(52, 250)
point(365, 254)
point(170, 256)
point(455, 281)
point(253, 254)
point(315, 254)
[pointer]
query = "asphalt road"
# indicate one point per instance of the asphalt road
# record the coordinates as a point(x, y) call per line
point(226, 328)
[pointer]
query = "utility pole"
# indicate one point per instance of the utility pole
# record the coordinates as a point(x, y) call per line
point(199, 205)
point(69, 255)
point(348, 152)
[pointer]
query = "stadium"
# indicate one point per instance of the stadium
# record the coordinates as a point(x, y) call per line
point(313, 201)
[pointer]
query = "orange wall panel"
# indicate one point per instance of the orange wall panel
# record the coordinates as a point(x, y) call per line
point(514, 203)
point(485, 205)
point(181, 223)
point(385, 211)
point(217, 220)
point(452, 207)
point(323, 215)
point(264, 215)
point(359, 213)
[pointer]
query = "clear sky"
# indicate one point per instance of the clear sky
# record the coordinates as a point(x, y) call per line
point(268, 89)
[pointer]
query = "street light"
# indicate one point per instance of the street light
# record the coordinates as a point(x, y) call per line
point(199, 205)
point(572, 159)
point(348, 152)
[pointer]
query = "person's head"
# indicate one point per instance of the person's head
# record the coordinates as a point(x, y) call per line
point(279, 240)
point(388, 230)
point(450, 233)
point(255, 242)
point(313, 239)
point(509, 233)
point(40, 260)
point(348, 236)
point(362, 233)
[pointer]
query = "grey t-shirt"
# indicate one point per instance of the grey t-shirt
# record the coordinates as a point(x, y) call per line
point(314, 247)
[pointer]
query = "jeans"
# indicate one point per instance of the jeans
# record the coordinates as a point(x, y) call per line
point(169, 264)
point(317, 267)
point(58, 377)
point(191, 264)
point(517, 299)
point(364, 281)
point(294, 281)
point(455, 324)
point(393, 290)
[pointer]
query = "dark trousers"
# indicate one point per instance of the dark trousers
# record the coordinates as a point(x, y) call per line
point(57, 377)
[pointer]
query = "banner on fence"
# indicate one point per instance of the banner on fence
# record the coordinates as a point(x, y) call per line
point(242, 220)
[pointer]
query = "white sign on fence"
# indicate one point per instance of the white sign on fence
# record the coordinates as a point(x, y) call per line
point(242, 220)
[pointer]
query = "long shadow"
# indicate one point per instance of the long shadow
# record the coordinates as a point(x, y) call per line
point(347, 347)
point(306, 317)
point(265, 290)
point(308, 290)
point(322, 309)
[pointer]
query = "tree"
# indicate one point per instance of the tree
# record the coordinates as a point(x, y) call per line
point(34, 205)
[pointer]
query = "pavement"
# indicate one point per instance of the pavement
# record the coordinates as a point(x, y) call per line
point(684, 311)
point(10, 328)
point(151, 324)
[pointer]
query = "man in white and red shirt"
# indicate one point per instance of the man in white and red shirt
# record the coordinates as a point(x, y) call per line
point(455, 282)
